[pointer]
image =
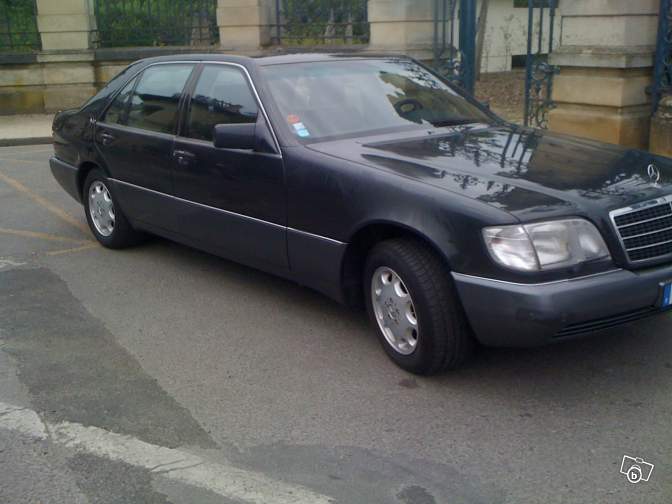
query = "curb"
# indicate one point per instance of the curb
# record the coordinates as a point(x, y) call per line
point(10, 142)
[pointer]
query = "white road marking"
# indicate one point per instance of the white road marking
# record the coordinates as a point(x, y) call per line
point(9, 263)
point(228, 481)
point(22, 420)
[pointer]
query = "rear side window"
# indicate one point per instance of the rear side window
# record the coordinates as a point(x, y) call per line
point(100, 100)
point(222, 96)
point(155, 99)
point(115, 114)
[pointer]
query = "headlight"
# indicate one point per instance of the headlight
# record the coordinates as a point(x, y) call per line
point(545, 245)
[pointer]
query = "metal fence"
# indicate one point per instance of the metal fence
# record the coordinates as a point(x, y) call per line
point(18, 26)
point(539, 73)
point(315, 22)
point(662, 82)
point(454, 41)
point(123, 23)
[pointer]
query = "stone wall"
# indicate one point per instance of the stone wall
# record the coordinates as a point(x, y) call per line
point(56, 80)
point(408, 26)
point(606, 65)
point(506, 35)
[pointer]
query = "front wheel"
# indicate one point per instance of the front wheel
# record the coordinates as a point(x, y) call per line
point(106, 220)
point(414, 307)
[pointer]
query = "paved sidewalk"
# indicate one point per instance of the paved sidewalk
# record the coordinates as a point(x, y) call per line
point(25, 129)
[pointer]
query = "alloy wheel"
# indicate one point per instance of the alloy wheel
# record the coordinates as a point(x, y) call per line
point(394, 310)
point(101, 208)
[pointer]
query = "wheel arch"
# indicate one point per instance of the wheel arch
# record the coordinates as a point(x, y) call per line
point(85, 168)
point(363, 240)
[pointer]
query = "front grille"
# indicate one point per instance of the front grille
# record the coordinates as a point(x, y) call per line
point(643, 215)
point(645, 231)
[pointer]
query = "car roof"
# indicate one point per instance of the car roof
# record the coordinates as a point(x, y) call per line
point(272, 59)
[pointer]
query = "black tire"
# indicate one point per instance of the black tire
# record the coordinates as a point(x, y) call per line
point(444, 340)
point(123, 235)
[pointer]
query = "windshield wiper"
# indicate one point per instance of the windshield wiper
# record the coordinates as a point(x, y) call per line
point(453, 122)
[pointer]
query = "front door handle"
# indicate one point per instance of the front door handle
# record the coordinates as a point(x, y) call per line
point(106, 138)
point(184, 158)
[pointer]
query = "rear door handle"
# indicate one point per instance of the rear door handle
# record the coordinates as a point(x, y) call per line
point(184, 158)
point(106, 138)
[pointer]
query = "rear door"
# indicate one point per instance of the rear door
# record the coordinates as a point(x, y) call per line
point(135, 139)
point(233, 199)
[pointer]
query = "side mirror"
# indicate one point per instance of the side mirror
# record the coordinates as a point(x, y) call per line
point(235, 136)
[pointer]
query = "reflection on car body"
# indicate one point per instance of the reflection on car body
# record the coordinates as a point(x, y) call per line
point(375, 182)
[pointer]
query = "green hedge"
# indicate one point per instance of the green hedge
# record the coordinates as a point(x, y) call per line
point(308, 21)
point(18, 26)
point(156, 22)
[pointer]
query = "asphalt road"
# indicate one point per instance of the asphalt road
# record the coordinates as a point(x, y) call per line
point(162, 374)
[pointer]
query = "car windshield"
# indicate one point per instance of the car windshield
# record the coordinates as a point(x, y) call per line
point(345, 98)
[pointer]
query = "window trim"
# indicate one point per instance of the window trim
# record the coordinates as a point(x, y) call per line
point(127, 106)
point(137, 74)
point(185, 101)
point(198, 65)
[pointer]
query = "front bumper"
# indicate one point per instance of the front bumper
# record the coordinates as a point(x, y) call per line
point(510, 314)
point(67, 176)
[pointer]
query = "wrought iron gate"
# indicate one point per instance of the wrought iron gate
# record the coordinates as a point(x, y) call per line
point(539, 72)
point(454, 44)
point(455, 50)
point(662, 82)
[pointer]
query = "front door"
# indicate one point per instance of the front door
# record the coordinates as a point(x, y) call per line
point(135, 139)
point(233, 199)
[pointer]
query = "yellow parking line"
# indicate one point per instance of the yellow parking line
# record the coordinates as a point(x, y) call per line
point(91, 245)
point(41, 236)
point(44, 203)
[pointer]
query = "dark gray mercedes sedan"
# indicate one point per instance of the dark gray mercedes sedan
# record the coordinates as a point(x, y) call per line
point(379, 184)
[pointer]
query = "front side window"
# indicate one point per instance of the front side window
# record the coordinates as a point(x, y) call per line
point(341, 98)
point(117, 111)
point(155, 100)
point(222, 96)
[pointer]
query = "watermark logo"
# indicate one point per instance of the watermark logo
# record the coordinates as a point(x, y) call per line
point(636, 469)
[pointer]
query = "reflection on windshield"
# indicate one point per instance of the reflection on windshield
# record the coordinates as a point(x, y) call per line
point(332, 99)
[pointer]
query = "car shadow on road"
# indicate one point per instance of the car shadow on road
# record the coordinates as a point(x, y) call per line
point(627, 365)
point(619, 358)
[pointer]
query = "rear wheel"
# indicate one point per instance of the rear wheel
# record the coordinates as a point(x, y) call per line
point(414, 307)
point(106, 220)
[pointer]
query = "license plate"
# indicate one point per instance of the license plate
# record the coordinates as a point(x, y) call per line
point(667, 295)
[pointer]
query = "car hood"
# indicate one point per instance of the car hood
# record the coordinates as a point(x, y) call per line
point(532, 174)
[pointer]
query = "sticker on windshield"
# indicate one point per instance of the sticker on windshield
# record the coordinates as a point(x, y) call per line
point(301, 130)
